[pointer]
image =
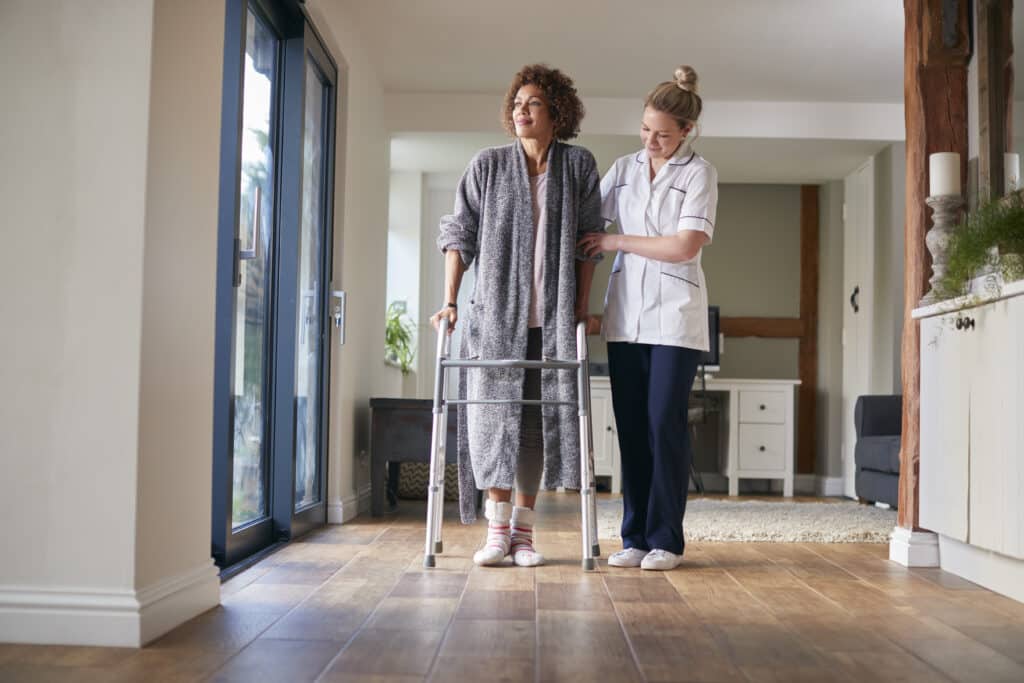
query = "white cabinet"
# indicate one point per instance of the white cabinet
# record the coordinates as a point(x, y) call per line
point(606, 439)
point(761, 422)
point(944, 430)
point(759, 430)
point(972, 425)
point(762, 447)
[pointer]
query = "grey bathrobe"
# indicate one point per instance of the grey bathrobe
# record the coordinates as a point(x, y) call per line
point(492, 226)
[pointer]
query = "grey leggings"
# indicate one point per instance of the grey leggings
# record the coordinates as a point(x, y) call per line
point(531, 436)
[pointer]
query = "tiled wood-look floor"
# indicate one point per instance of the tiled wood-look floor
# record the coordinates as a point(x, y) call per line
point(353, 603)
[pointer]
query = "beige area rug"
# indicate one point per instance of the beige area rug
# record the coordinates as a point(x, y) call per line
point(709, 519)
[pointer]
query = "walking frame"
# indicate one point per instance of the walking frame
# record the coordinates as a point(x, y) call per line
point(435, 486)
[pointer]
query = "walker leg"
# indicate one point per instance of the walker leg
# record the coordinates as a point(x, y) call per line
point(587, 487)
point(435, 498)
point(435, 491)
point(595, 545)
point(439, 516)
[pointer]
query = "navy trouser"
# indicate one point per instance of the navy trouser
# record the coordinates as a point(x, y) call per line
point(650, 395)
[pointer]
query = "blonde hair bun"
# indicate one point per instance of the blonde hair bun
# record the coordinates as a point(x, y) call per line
point(686, 78)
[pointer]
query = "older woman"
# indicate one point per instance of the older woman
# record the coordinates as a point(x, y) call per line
point(519, 212)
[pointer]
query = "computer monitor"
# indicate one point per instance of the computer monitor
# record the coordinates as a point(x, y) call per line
point(709, 358)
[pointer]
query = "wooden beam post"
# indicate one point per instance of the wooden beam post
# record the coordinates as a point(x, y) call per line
point(807, 401)
point(936, 50)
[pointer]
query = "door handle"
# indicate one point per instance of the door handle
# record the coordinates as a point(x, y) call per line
point(338, 314)
point(853, 299)
point(253, 250)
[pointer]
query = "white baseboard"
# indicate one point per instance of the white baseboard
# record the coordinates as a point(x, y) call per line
point(113, 618)
point(803, 484)
point(363, 505)
point(170, 603)
point(348, 508)
point(914, 548)
point(995, 572)
point(342, 511)
point(830, 486)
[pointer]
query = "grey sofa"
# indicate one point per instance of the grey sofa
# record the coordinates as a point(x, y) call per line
point(878, 421)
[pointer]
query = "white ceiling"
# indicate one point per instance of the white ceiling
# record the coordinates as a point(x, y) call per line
point(774, 50)
point(737, 161)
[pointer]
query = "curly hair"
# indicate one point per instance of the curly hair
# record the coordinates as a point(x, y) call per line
point(564, 104)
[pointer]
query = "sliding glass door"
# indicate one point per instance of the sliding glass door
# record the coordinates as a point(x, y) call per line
point(312, 335)
point(274, 270)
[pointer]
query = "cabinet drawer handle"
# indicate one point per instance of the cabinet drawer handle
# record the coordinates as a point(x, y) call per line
point(762, 406)
point(761, 449)
point(964, 323)
point(608, 428)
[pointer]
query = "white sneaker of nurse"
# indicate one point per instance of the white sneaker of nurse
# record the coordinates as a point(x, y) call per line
point(630, 557)
point(661, 560)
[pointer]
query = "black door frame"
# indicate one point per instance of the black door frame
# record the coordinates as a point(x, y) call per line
point(299, 42)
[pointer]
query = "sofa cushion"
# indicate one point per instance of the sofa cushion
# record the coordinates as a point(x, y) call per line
point(878, 453)
point(878, 415)
point(878, 487)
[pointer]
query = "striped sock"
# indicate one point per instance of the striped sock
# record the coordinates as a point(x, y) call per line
point(499, 541)
point(523, 553)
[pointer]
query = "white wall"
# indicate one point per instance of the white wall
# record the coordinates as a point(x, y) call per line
point(887, 319)
point(753, 269)
point(438, 200)
point(360, 261)
point(465, 112)
point(179, 272)
point(829, 460)
point(73, 191)
point(890, 188)
point(405, 209)
point(110, 130)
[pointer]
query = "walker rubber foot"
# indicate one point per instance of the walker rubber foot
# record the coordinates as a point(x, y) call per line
point(589, 564)
point(428, 561)
point(596, 550)
point(438, 547)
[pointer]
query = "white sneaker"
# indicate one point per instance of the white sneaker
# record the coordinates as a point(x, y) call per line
point(630, 557)
point(661, 560)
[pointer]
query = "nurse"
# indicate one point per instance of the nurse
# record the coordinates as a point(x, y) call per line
point(663, 200)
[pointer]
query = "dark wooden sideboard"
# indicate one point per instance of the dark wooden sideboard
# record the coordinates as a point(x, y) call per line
point(400, 431)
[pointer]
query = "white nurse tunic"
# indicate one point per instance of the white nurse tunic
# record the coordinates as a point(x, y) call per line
point(648, 301)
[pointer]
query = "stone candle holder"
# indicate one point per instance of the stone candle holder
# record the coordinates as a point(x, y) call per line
point(945, 216)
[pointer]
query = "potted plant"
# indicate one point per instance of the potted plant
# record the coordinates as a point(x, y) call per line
point(398, 337)
point(989, 239)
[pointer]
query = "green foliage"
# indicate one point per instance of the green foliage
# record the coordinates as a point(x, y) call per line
point(999, 224)
point(398, 338)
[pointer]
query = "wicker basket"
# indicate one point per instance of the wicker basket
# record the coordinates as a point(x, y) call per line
point(413, 477)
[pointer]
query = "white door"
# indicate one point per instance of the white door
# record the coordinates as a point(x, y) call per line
point(944, 473)
point(858, 300)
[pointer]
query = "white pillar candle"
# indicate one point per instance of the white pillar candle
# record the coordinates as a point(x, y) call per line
point(1011, 172)
point(943, 174)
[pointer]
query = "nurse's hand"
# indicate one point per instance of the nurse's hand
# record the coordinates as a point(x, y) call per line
point(593, 322)
point(593, 243)
point(449, 312)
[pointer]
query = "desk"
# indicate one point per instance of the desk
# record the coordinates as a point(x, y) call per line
point(758, 428)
